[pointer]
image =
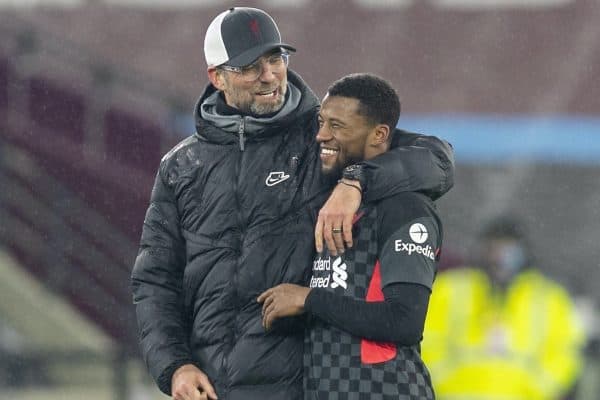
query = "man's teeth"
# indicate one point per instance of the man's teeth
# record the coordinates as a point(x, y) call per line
point(329, 152)
point(271, 93)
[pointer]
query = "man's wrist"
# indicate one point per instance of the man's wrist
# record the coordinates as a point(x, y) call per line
point(356, 173)
point(305, 296)
point(351, 183)
point(309, 301)
point(165, 380)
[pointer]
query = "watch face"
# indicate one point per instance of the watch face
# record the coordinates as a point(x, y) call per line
point(353, 172)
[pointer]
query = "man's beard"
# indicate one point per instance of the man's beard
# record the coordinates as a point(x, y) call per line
point(332, 175)
point(246, 102)
point(263, 109)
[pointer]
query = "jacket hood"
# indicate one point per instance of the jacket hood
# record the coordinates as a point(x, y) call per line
point(218, 128)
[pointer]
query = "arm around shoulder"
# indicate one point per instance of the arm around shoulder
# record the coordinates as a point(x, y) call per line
point(414, 163)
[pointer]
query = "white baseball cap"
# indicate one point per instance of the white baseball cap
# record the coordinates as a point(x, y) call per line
point(239, 36)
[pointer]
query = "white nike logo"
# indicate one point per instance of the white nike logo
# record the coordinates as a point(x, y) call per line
point(276, 177)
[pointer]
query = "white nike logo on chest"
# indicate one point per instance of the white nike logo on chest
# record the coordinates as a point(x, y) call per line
point(276, 177)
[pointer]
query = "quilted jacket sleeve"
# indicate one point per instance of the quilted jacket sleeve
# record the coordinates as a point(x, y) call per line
point(415, 162)
point(157, 288)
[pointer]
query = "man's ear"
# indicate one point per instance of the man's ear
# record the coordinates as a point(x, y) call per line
point(215, 77)
point(380, 135)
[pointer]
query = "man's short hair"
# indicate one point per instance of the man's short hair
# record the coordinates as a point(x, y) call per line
point(379, 102)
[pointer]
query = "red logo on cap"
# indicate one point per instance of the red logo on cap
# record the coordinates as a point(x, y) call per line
point(254, 28)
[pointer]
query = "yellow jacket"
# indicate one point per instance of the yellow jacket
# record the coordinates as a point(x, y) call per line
point(481, 345)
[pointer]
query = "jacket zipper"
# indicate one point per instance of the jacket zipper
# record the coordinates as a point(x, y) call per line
point(240, 214)
point(242, 227)
point(241, 133)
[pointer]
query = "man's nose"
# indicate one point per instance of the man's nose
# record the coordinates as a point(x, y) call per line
point(267, 73)
point(324, 135)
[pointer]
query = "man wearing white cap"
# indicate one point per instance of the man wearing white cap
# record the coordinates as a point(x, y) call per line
point(231, 215)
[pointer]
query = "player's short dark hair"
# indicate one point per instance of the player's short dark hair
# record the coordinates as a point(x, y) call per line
point(379, 102)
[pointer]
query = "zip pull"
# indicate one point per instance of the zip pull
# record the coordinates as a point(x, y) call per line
point(241, 133)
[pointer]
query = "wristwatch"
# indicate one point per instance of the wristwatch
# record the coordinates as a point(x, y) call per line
point(356, 172)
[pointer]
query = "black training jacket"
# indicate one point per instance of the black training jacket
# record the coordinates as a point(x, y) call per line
point(231, 215)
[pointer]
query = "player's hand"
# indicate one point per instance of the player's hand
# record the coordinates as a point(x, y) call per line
point(337, 213)
point(190, 383)
point(282, 300)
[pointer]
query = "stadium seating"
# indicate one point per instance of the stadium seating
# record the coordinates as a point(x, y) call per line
point(57, 109)
point(73, 214)
point(3, 84)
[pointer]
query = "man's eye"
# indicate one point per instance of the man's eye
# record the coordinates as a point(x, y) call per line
point(276, 59)
point(250, 68)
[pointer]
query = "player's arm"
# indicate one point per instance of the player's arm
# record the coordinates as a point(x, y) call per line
point(399, 318)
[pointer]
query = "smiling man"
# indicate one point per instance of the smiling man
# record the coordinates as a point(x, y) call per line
point(346, 126)
point(245, 92)
point(367, 307)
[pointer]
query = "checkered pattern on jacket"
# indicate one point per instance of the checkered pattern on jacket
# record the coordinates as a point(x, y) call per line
point(333, 368)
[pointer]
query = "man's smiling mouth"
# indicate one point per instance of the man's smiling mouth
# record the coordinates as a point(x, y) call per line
point(327, 151)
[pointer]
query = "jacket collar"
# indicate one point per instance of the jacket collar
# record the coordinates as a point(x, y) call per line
point(213, 126)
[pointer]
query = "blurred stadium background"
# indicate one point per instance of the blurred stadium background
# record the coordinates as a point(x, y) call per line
point(93, 92)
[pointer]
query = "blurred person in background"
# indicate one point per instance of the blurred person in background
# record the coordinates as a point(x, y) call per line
point(501, 329)
point(231, 214)
point(368, 305)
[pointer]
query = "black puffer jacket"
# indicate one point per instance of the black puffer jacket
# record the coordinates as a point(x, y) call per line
point(231, 215)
